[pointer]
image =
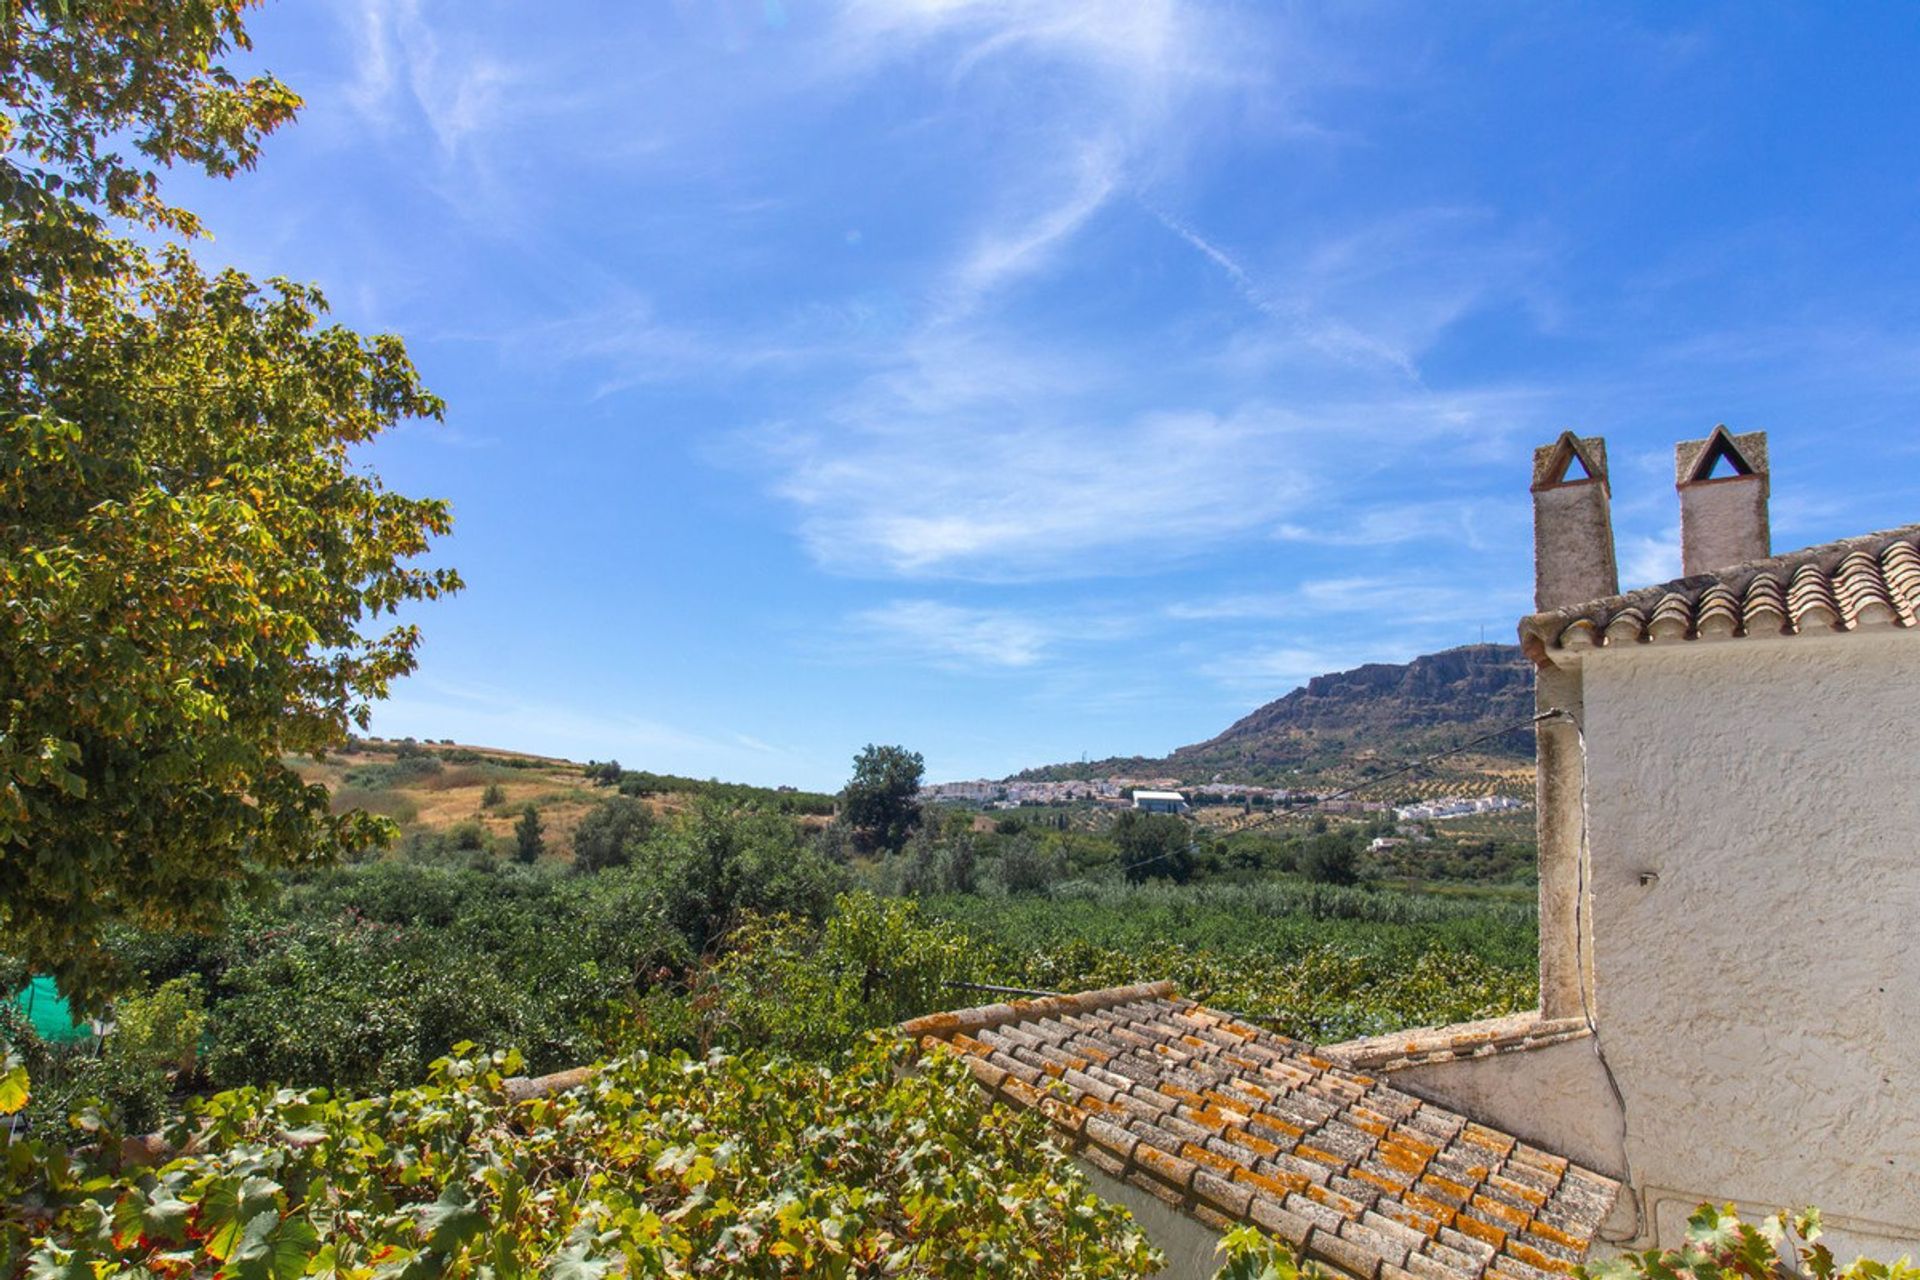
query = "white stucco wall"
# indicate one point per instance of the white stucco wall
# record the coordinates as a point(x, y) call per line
point(1759, 998)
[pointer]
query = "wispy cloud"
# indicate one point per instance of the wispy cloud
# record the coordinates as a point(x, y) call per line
point(1407, 601)
point(955, 635)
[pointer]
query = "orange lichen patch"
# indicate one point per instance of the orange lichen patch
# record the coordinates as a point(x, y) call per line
point(1333, 1200)
point(1485, 1232)
point(1172, 1168)
point(1063, 1114)
point(1534, 1158)
point(1208, 1117)
point(1277, 1126)
point(1187, 1096)
point(1481, 1136)
point(1534, 1258)
point(1532, 1195)
point(1087, 1102)
point(1196, 1042)
point(1414, 1142)
point(1315, 1154)
point(1248, 1086)
point(1318, 1064)
point(1375, 1127)
point(1098, 1055)
point(1547, 1231)
point(1258, 1145)
point(1375, 1180)
point(1406, 1217)
point(1278, 1184)
point(1441, 1213)
point(1021, 1092)
point(967, 1044)
point(1446, 1188)
point(1200, 1155)
point(1514, 1219)
point(1053, 1068)
point(1395, 1156)
point(1229, 1106)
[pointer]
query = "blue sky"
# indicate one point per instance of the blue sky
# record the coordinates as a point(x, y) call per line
point(1014, 379)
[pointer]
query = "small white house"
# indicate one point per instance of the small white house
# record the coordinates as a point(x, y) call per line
point(1160, 802)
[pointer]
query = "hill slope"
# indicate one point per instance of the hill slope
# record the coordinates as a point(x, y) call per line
point(1380, 711)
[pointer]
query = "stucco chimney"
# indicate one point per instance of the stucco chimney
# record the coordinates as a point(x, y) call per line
point(1723, 518)
point(1572, 523)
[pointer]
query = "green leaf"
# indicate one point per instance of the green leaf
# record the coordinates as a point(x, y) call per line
point(451, 1221)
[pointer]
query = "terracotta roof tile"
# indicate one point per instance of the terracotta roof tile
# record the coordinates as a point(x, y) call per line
point(1232, 1123)
point(1858, 584)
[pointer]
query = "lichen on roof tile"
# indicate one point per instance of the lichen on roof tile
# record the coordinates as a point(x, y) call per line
point(1232, 1123)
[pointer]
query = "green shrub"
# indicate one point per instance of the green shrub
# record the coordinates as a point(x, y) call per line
point(659, 1166)
point(1719, 1244)
point(388, 804)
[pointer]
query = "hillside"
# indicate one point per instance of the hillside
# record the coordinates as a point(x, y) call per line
point(1346, 721)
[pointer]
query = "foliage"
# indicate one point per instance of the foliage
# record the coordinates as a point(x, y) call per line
point(639, 782)
point(1153, 846)
point(528, 840)
point(660, 1166)
point(717, 866)
point(810, 991)
point(1025, 865)
point(493, 796)
point(879, 800)
point(1303, 960)
point(1249, 1254)
point(1330, 859)
point(611, 833)
point(191, 561)
point(1719, 1245)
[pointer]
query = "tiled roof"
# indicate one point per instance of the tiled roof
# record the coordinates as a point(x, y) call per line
point(1232, 1123)
point(1859, 584)
point(1423, 1045)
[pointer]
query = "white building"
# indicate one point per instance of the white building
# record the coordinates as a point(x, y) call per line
point(1160, 801)
point(1728, 799)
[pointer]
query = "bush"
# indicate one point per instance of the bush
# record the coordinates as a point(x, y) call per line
point(494, 795)
point(1718, 1244)
point(1026, 865)
point(611, 834)
point(749, 1165)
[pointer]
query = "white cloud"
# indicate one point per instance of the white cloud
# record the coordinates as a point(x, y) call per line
point(1650, 560)
point(1408, 601)
point(954, 635)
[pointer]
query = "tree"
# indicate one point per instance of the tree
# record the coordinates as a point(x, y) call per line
point(1330, 859)
point(880, 801)
point(611, 833)
point(1153, 845)
point(193, 569)
point(528, 840)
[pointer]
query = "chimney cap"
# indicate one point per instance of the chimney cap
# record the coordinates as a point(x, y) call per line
point(1553, 462)
point(1694, 460)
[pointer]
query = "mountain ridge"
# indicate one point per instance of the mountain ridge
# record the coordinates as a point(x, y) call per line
point(1376, 711)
